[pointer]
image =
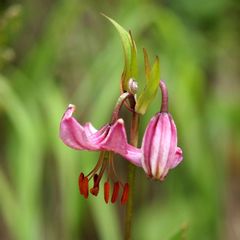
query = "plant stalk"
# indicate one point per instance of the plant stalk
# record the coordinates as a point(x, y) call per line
point(131, 177)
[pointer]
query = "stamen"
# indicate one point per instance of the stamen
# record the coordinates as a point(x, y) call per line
point(125, 193)
point(112, 166)
point(98, 165)
point(80, 180)
point(94, 191)
point(104, 165)
point(85, 187)
point(106, 191)
point(115, 192)
point(97, 179)
point(95, 188)
point(105, 161)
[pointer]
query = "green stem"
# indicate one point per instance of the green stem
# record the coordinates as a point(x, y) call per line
point(131, 177)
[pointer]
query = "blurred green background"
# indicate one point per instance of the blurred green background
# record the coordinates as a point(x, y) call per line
point(56, 52)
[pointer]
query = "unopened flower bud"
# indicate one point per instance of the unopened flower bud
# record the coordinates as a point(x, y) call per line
point(160, 150)
point(133, 86)
point(160, 146)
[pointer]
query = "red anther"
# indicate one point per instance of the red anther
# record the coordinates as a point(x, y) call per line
point(106, 191)
point(115, 192)
point(94, 191)
point(95, 180)
point(80, 181)
point(125, 193)
point(85, 187)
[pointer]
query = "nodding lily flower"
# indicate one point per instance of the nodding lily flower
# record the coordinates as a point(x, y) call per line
point(109, 139)
point(159, 146)
point(159, 152)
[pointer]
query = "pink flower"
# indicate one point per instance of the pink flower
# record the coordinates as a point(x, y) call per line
point(160, 151)
point(159, 146)
point(111, 137)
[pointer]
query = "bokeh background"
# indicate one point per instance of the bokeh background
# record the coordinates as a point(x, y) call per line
point(56, 52)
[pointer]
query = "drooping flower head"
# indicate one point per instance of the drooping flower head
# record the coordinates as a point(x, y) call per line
point(159, 146)
point(110, 139)
point(158, 154)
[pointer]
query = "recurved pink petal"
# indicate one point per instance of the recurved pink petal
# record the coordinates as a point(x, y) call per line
point(116, 139)
point(108, 138)
point(75, 135)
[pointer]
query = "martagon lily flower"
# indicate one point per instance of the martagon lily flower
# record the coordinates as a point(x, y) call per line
point(159, 146)
point(109, 139)
point(158, 154)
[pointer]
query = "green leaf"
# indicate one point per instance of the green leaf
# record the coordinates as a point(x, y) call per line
point(130, 54)
point(152, 84)
point(147, 65)
point(133, 67)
